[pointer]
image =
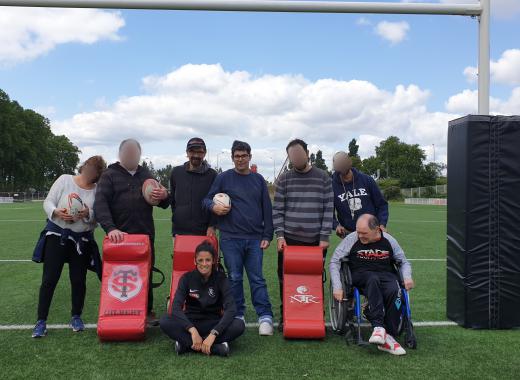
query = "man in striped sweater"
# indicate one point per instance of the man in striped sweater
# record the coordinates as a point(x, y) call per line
point(303, 207)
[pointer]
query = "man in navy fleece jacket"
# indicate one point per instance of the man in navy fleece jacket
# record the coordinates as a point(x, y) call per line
point(355, 194)
point(246, 228)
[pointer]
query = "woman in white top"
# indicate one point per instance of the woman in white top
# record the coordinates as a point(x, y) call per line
point(68, 239)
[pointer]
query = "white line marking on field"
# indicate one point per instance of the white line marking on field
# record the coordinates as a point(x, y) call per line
point(248, 325)
point(22, 220)
point(426, 259)
point(30, 261)
point(415, 221)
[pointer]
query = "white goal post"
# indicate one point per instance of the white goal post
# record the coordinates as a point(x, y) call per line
point(480, 10)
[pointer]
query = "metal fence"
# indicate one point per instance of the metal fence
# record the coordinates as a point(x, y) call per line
point(425, 192)
point(426, 201)
point(22, 196)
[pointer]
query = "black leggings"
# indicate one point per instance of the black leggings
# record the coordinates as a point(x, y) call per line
point(55, 256)
point(171, 327)
point(384, 298)
point(291, 242)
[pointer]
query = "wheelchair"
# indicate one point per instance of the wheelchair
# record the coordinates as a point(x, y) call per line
point(347, 317)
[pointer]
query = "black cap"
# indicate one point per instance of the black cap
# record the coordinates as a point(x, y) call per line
point(196, 142)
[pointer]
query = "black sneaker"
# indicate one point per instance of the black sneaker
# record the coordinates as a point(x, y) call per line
point(151, 319)
point(180, 349)
point(220, 349)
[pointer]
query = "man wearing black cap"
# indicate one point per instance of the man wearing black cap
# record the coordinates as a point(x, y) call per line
point(189, 184)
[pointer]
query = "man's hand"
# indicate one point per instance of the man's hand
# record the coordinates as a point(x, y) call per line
point(116, 236)
point(63, 215)
point(196, 339)
point(210, 232)
point(408, 283)
point(338, 295)
point(264, 244)
point(220, 210)
point(281, 244)
point(83, 214)
point(324, 244)
point(159, 194)
point(341, 231)
point(208, 342)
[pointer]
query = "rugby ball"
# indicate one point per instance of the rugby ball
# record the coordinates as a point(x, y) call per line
point(72, 203)
point(148, 186)
point(222, 199)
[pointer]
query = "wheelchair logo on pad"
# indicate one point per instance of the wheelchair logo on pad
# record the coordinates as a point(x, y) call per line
point(303, 297)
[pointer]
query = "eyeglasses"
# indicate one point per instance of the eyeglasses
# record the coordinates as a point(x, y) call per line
point(241, 157)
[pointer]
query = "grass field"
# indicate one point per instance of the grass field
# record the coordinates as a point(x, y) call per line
point(451, 352)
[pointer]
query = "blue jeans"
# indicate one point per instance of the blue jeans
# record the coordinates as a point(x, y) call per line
point(240, 254)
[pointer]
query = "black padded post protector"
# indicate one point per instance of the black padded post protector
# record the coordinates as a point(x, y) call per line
point(483, 252)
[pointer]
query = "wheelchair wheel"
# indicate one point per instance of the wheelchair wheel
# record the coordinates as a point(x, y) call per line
point(337, 313)
point(409, 335)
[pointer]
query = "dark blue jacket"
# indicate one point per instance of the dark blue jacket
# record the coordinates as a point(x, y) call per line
point(89, 247)
point(364, 197)
point(251, 215)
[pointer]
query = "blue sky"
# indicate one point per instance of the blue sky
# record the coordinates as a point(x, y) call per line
point(69, 77)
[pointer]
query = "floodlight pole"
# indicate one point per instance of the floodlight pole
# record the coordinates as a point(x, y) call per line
point(481, 10)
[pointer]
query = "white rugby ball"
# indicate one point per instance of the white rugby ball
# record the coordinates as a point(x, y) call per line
point(222, 199)
point(72, 203)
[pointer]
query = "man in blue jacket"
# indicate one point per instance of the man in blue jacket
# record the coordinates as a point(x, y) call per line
point(355, 194)
point(246, 228)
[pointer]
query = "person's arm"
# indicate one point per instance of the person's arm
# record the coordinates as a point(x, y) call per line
point(228, 304)
point(267, 212)
point(328, 211)
point(211, 217)
point(279, 207)
point(207, 202)
point(342, 250)
point(104, 195)
point(379, 202)
point(53, 197)
point(172, 189)
point(178, 303)
point(400, 257)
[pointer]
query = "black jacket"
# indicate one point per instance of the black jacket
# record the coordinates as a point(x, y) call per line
point(188, 189)
point(119, 202)
point(197, 299)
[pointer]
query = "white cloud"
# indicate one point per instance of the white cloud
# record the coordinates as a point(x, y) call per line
point(267, 111)
point(395, 32)
point(506, 70)
point(466, 102)
point(363, 21)
point(31, 32)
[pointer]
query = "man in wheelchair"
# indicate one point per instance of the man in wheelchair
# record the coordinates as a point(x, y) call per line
point(371, 255)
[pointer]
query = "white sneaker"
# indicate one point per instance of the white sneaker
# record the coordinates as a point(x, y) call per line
point(392, 346)
point(265, 328)
point(378, 336)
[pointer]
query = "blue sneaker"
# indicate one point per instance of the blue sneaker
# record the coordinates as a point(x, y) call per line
point(40, 330)
point(76, 323)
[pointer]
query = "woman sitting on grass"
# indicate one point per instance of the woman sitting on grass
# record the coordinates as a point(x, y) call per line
point(203, 309)
point(68, 239)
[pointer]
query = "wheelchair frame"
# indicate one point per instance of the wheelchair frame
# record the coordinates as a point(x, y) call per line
point(346, 316)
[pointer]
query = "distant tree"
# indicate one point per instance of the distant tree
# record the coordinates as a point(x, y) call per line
point(31, 156)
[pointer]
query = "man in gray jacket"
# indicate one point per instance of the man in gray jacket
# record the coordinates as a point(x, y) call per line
point(371, 254)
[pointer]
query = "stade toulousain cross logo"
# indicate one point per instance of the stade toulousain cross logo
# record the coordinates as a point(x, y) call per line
point(125, 282)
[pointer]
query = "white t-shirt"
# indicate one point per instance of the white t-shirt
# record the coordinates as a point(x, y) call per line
point(65, 185)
